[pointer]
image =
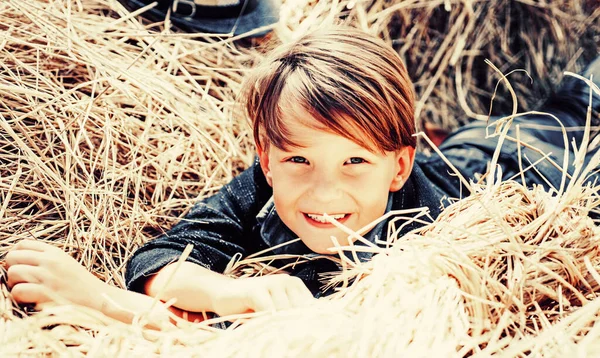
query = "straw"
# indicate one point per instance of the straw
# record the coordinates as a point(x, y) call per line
point(112, 128)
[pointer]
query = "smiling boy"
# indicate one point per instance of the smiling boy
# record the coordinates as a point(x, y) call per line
point(319, 146)
point(321, 174)
point(320, 151)
point(332, 116)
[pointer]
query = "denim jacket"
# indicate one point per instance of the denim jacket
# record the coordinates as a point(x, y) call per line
point(241, 218)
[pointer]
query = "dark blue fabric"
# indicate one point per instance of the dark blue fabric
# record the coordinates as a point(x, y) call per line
point(237, 220)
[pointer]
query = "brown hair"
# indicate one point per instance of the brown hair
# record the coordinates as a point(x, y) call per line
point(352, 83)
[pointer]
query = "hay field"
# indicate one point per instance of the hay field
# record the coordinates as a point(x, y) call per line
point(112, 127)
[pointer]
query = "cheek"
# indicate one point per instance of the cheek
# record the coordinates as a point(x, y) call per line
point(373, 196)
point(283, 183)
point(282, 197)
point(287, 209)
point(289, 185)
point(284, 176)
point(373, 204)
point(377, 178)
point(286, 190)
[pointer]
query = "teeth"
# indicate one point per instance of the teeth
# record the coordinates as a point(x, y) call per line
point(322, 219)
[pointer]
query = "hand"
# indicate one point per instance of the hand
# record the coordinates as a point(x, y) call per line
point(39, 273)
point(265, 293)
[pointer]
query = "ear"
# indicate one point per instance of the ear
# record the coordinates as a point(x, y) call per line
point(405, 159)
point(263, 157)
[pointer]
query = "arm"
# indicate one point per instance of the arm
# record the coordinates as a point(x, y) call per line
point(213, 292)
point(193, 295)
point(39, 273)
point(218, 227)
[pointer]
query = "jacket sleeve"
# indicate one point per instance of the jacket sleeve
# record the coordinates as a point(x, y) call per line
point(219, 227)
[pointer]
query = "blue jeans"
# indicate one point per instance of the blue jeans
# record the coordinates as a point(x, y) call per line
point(569, 104)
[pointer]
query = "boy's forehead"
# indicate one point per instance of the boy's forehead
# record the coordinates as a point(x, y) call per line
point(298, 120)
point(298, 125)
point(303, 130)
point(295, 118)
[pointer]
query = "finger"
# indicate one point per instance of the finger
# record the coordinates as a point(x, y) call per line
point(305, 293)
point(34, 245)
point(301, 292)
point(29, 293)
point(23, 257)
point(299, 296)
point(261, 300)
point(23, 274)
point(280, 299)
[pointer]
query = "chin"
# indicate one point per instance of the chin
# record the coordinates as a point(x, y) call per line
point(322, 247)
point(323, 250)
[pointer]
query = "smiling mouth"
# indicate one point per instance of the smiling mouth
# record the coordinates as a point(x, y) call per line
point(322, 220)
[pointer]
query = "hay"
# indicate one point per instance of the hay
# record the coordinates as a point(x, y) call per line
point(111, 130)
point(445, 42)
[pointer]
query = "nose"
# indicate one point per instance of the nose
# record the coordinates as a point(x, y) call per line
point(326, 186)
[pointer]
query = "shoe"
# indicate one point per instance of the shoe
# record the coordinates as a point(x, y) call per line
point(203, 16)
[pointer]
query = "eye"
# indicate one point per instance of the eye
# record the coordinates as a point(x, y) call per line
point(298, 160)
point(355, 160)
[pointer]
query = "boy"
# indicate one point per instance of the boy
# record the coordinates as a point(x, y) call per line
point(332, 116)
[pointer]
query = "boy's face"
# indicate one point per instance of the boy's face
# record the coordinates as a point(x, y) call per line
point(330, 174)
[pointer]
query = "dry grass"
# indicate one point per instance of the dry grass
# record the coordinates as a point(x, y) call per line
point(112, 128)
point(107, 134)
